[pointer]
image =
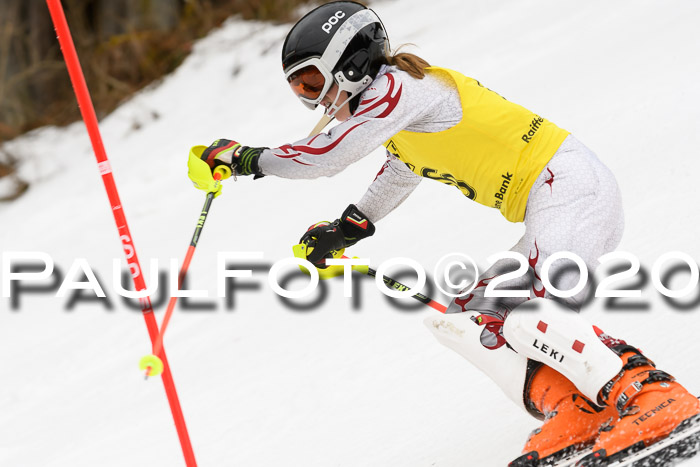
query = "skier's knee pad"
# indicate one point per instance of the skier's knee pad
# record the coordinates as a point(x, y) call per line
point(505, 367)
point(560, 338)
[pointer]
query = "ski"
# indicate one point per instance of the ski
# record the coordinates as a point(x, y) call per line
point(683, 443)
point(565, 458)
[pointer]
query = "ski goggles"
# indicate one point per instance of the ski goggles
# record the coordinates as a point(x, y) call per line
point(310, 80)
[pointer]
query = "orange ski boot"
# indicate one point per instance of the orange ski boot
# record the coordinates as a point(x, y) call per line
point(571, 421)
point(650, 404)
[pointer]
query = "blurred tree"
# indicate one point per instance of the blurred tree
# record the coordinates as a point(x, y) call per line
point(28, 64)
point(123, 45)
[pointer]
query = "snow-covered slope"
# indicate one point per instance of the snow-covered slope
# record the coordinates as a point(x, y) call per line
point(264, 385)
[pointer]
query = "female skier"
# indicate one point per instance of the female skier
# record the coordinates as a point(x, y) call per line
point(437, 123)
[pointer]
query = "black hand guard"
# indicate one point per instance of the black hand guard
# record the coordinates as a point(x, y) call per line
point(355, 225)
point(352, 227)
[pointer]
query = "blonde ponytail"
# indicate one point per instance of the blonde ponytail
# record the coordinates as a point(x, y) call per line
point(408, 62)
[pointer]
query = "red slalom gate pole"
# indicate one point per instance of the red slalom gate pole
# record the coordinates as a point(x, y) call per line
point(88, 113)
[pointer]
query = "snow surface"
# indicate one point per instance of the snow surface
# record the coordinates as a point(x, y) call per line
point(264, 385)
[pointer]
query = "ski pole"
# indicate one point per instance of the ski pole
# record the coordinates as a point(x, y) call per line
point(337, 270)
point(152, 363)
point(394, 284)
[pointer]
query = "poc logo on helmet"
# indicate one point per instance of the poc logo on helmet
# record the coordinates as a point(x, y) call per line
point(332, 21)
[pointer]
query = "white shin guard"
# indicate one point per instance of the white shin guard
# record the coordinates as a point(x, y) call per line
point(560, 338)
point(504, 366)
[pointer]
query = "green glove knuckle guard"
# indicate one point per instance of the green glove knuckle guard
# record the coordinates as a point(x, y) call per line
point(243, 160)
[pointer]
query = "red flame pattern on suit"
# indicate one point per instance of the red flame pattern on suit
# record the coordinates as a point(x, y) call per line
point(390, 99)
point(533, 262)
point(549, 181)
point(291, 152)
point(462, 302)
